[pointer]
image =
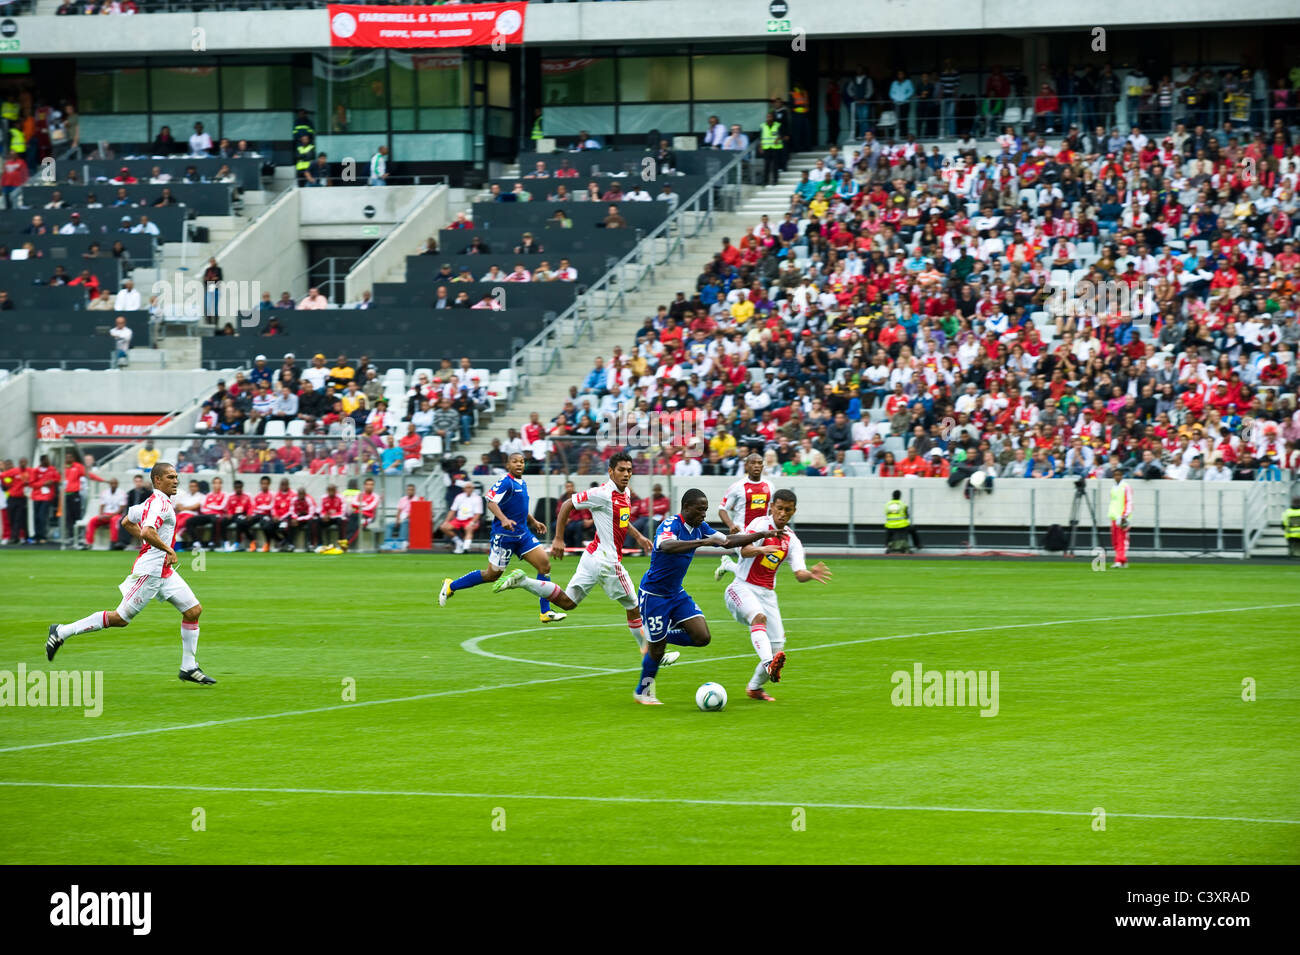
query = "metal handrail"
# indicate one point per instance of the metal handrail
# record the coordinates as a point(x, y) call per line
point(579, 313)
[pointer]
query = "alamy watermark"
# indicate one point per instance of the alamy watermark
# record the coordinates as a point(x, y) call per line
point(923, 687)
point(1084, 299)
point(651, 429)
point(192, 298)
point(73, 688)
point(75, 907)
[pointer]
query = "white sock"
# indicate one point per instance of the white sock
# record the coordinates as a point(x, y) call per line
point(762, 645)
point(96, 621)
point(728, 564)
point(638, 631)
point(542, 588)
point(189, 645)
point(760, 676)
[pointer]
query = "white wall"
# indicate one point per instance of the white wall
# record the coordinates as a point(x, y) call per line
point(648, 20)
point(270, 251)
point(425, 219)
point(120, 391)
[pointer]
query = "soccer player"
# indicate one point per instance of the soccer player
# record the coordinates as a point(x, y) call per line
point(751, 597)
point(364, 508)
point(1121, 509)
point(602, 561)
point(745, 501)
point(239, 510)
point(513, 530)
point(263, 502)
point(670, 615)
point(302, 515)
point(281, 507)
point(152, 575)
point(331, 513)
point(463, 518)
point(212, 514)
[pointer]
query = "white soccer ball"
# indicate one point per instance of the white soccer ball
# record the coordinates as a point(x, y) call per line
point(711, 697)
point(977, 479)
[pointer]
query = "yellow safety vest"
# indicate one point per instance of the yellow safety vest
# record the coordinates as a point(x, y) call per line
point(9, 111)
point(305, 155)
point(537, 129)
point(1291, 523)
point(800, 98)
point(896, 515)
point(17, 141)
point(771, 138)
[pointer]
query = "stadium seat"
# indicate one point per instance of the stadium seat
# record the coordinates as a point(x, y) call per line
point(431, 446)
point(296, 428)
point(274, 429)
point(415, 375)
point(894, 444)
point(853, 456)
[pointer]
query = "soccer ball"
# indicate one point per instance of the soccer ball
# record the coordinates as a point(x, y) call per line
point(977, 479)
point(711, 697)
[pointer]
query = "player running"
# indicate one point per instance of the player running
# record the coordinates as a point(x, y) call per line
point(670, 615)
point(751, 597)
point(513, 530)
point(152, 575)
point(745, 501)
point(602, 562)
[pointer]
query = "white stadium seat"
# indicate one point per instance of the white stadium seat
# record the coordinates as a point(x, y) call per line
point(274, 429)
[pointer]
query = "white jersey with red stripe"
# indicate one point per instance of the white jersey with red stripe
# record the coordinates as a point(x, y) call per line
point(611, 512)
point(747, 501)
point(157, 512)
point(761, 571)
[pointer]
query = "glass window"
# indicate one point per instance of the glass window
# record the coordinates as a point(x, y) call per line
point(179, 88)
point(577, 80)
point(429, 90)
point(433, 147)
point(651, 78)
point(257, 126)
point(112, 90)
point(740, 76)
point(668, 118)
point(351, 91)
point(256, 87)
point(571, 120)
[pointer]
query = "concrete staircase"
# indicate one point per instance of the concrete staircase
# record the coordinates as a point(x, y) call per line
point(191, 258)
point(548, 392)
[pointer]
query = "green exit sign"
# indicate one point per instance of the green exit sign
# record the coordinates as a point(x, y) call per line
point(778, 26)
point(10, 46)
point(370, 230)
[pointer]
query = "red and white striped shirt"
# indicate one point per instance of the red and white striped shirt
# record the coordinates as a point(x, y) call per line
point(611, 512)
point(761, 571)
point(157, 512)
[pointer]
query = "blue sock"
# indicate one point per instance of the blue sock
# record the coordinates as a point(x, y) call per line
point(678, 638)
point(649, 667)
point(472, 579)
point(543, 602)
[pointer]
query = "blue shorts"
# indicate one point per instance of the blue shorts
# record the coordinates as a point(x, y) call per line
point(661, 614)
point(505, 546)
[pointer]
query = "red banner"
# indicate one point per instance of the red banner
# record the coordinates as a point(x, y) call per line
point(52, 426)
point(476, 24)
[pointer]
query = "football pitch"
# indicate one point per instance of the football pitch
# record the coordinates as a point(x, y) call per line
point(1148, 715)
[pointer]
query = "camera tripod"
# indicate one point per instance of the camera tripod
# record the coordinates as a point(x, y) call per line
point(1080, 495)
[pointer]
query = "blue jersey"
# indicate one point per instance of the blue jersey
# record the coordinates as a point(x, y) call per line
point(511, 496)
point(667, 571)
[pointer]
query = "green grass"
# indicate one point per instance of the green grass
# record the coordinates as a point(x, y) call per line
point(1140, 716)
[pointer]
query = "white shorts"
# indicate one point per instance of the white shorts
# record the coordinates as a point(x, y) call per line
point(139, 589)
point(611, 575)
point(744, 601)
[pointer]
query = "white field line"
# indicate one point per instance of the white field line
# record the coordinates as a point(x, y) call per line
point(582, 676)
point(638, 800)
